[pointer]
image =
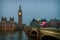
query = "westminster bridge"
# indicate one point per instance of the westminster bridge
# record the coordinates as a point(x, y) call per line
point(43, 33)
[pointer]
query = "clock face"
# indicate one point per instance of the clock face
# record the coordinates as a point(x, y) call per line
point(19, 13)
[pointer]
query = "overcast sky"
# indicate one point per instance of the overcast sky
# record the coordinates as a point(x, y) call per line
point(31, 9)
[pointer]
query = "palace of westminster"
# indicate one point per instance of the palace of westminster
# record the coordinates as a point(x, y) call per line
point(11, 25)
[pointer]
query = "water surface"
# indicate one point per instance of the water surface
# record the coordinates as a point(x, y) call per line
point(15, 36)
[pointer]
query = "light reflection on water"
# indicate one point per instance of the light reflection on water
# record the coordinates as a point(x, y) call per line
point(14, 36)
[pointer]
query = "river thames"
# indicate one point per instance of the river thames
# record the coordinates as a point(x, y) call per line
point(15, 36)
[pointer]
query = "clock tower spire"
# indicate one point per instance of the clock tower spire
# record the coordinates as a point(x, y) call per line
point(20, 9)
point(19, 17)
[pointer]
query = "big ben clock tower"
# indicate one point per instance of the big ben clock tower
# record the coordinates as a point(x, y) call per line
point(19, 17)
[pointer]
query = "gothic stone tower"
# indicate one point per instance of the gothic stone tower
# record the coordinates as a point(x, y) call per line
point(19, 17)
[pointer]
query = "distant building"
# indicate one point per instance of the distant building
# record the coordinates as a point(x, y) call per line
point(11, 25)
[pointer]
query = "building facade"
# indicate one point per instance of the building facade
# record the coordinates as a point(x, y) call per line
point(11, 25)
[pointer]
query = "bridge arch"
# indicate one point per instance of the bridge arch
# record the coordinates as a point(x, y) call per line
point(35, 33)
point(48, 37)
